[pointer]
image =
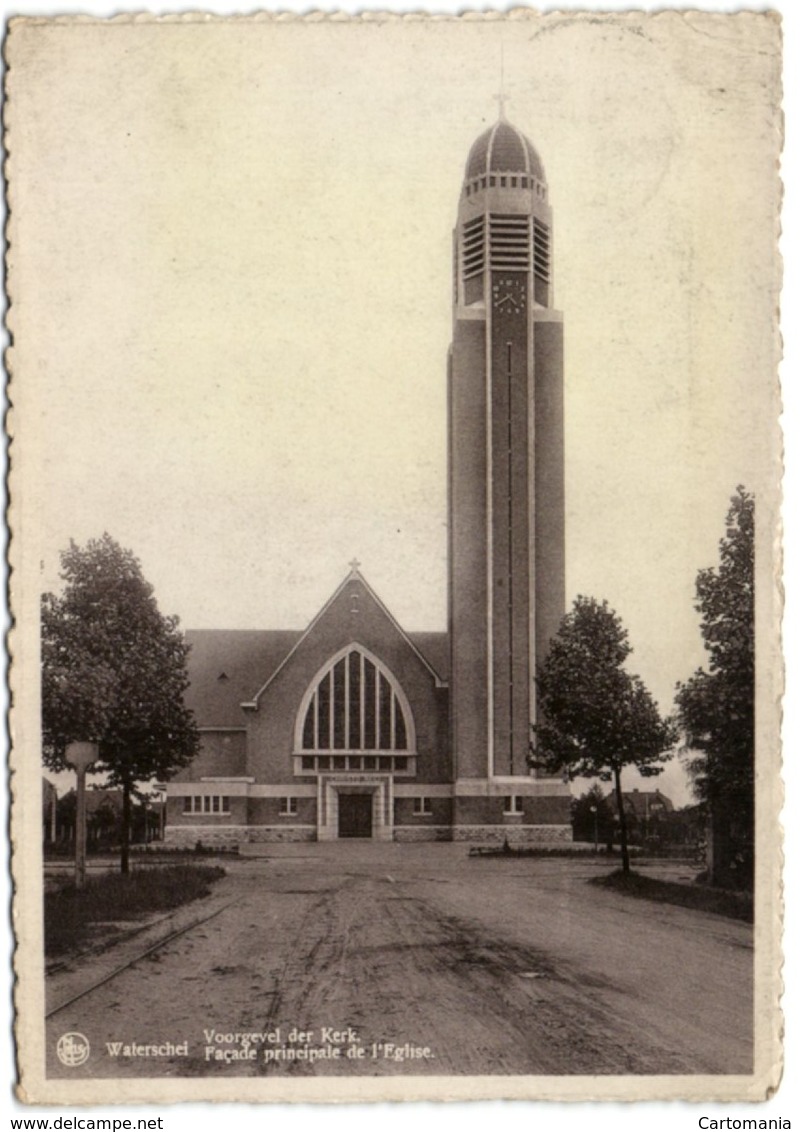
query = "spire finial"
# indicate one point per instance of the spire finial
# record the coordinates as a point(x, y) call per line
point(502, 96)
point(354, 564)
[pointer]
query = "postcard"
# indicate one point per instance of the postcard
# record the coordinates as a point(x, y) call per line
point(395, 484)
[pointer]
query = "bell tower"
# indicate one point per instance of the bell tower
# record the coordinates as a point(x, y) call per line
point(506, 494)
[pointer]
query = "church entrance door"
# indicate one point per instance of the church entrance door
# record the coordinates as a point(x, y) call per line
point(355, 815)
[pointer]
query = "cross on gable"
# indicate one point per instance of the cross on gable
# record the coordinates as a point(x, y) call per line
point(354, 564)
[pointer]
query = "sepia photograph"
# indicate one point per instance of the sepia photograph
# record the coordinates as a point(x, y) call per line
point(395, 480)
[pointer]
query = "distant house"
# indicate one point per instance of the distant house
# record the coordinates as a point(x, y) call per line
point(104, 809)
point(643, 804)
point(645, 811)
point(103, 814)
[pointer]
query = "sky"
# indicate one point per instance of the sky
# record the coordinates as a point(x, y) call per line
point(238, 366)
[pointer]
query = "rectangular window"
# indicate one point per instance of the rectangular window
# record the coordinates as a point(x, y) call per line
point(207, 804)
point(422, 806)
point(513, 804)
point(288, 807)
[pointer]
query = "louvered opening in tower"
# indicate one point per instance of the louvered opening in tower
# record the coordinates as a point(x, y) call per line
point(509, 243)
point(473, 248)
point(540, 249)
point(541, 261)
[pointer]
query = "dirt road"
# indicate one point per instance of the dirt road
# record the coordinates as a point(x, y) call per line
point(429, 963)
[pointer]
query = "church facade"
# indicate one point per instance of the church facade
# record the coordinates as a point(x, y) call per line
point(356, 728)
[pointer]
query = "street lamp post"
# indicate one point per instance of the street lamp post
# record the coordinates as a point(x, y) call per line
point(162, 789)
point(80, 756)
point(595, 811)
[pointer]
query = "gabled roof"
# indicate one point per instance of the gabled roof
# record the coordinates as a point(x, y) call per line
point(226, 666)
point(641, 802)
point(434, 648)
point(353, 575)
point(100, 798)
point(229, 667)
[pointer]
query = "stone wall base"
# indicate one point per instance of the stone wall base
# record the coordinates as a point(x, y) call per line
point(187, 837)
point(513, 834)
point(278, 835)
point(422, 833)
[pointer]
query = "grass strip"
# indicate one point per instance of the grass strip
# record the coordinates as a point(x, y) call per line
point(722, 901)
point(71, 912)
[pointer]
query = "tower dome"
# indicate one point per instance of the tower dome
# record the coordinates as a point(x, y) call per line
point(503, 149)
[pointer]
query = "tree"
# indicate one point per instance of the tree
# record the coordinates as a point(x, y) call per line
point(114, 672)
point(597, 718)
point(716, 708)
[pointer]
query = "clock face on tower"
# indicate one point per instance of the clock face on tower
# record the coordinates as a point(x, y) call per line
point(509, 295)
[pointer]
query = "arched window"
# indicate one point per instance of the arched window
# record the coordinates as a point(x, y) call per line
point(355, 704)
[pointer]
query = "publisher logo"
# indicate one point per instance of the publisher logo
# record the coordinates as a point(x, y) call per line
point(72, 1049)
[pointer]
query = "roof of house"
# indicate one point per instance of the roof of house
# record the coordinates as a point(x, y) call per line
point(228, 666)
point(642, 802)
point(99, 798)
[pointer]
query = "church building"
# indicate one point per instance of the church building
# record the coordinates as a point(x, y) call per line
point(355, 727)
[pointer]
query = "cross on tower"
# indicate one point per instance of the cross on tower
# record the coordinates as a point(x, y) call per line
point(354, 564)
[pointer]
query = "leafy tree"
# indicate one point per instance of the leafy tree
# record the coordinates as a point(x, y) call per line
point(114, 672)
point(716, 708)
point(597, 718)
